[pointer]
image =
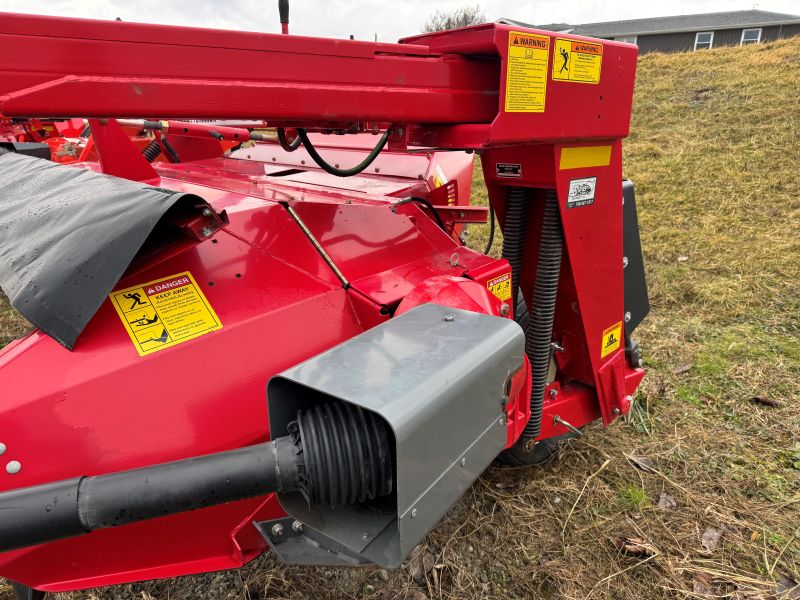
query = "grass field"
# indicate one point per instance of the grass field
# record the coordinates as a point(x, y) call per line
point(710, 504)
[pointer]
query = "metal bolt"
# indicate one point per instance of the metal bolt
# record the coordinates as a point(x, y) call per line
point(365, 535)
point(624, 261)
point(553, 392)
point(13, 467)
point(463, 461)
point(617, 411)
point(628, 317)
point(297, 526)
point(277, 530)
point(2, 448)
point(206, 231)
point(504, 309)
point(448, 318)
point(640, 363)
point(502, 420)
point(454, 258)
point(504, 401)
point(413, 512)
point(557, 347)
point(207, 212)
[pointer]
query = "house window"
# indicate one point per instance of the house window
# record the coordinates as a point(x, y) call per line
point(628, 39)
point(703, 40)
point(751, 36)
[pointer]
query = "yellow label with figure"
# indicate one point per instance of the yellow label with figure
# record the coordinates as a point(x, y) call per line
point(577, 61)
point(526, 72)
point(500, 287)
point(165, 312)
point(611, 339)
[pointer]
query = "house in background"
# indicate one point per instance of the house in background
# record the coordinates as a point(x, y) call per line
point(686, 32)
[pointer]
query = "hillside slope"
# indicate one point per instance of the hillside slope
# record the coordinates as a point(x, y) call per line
point(715, 157)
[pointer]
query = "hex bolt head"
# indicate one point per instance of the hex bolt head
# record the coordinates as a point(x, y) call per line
point(277, 530)
point(413, 512)
point(628, 317)
point(2, 448)
point(297, 526)
point(13, 467)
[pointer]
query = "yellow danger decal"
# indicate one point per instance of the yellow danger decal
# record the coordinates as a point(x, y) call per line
point(165, 312)
point(500, 286)
point(577, 61)
point(611, 339)
point(526, 73)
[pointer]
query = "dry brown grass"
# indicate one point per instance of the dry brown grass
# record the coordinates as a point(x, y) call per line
point(714, 155)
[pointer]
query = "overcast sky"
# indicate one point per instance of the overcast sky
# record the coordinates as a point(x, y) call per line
point(388, 19)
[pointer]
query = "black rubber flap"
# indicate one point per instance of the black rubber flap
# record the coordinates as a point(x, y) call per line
point(67, 235)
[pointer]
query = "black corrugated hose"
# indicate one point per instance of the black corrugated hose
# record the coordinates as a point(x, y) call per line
point(151, 151)
point(539, 334)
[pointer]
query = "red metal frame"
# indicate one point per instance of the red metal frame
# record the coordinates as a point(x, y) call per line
point(108, 409)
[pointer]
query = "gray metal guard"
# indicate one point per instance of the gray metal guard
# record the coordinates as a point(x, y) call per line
point(437, 375)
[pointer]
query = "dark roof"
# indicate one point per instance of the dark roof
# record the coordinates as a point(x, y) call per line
point(701, 22)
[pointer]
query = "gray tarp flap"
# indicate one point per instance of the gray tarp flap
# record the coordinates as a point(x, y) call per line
point(67, 235)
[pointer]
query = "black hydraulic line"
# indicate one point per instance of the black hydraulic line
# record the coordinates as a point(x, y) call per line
point(427, 204)
point(514, 236)
point(491, 230)
point(87, 131)
point(303, 135)
point(284, 142)
point(169, 150)
point(539, 334)
point(151, 151)
point(334, 455)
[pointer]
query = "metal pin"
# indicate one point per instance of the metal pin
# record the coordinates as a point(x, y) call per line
point(559, 421)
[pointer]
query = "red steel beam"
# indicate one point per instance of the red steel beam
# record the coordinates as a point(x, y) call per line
point(53, 66)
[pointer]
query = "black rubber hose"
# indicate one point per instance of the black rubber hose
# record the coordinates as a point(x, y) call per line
point(539, 334)
point(151, 151)
point(491, 230)
point(335, 454)
point(427, 204)
point(284, 142)
point(303, 135)
point(514, 236)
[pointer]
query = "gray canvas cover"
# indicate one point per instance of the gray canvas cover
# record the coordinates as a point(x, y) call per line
point(67, 235)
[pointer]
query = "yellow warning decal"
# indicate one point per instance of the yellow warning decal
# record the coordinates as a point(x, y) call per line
point(164, 312)
point(577, 61)
point(585, 156)
point(611, 339)
point(500, 287)
point(526, 72)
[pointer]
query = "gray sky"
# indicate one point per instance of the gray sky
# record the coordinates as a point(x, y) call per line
point(390, 20)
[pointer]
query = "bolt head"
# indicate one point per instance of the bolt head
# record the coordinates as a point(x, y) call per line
point(624, 262)
point(463, 461)
point(297, 526)
point(454, 259)
point(553, 392)
point(2, 448)
point(413, 512)
point(628, 317)
point(448, 318)
point(277, 530)
point(13, 467)
point(505, 309)
point(617, 411)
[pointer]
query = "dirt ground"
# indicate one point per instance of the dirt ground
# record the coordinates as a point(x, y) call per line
point(697, 493)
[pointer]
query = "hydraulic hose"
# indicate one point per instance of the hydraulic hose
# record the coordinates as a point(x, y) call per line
point(285, 144)
point(490, 242)
point(539, 334)
point(333, 170)
point(514, 236)
point(427, 204)
point(334, 455)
